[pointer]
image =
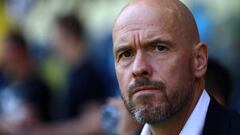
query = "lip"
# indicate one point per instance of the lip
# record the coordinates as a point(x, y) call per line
point(144, 88)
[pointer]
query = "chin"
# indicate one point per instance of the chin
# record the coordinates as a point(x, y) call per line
point(152, 114)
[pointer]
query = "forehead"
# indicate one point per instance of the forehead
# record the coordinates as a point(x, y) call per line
point(145, 33)
point(150, 21)
point(144, 14)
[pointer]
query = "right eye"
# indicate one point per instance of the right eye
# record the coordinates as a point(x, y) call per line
point(125, 54)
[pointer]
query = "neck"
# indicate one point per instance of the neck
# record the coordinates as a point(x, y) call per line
point(174, 125)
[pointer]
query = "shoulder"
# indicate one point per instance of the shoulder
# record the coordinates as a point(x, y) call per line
point(221, 121)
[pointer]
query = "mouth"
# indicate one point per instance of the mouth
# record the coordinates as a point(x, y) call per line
point(145, 89)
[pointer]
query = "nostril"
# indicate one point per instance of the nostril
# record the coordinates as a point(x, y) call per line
point(145, 73)
point(140, 73)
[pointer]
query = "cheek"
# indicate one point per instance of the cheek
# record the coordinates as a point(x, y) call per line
point(165, 70)
point(174, 71)
point(123, 79)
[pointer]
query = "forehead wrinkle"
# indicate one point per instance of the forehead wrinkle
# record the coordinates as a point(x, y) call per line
point(146, 36)
point(137, 39)
point(138, 27)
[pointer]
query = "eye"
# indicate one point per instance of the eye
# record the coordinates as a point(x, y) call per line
point(159, 48)
point(126, 54)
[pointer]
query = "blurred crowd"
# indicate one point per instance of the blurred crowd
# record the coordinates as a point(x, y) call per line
point(57, 71)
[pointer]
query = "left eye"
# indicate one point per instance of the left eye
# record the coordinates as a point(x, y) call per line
point(159, 48)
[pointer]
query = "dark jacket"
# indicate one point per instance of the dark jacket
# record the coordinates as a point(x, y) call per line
point(221, 121)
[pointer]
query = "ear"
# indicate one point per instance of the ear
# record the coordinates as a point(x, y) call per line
point(200, 59)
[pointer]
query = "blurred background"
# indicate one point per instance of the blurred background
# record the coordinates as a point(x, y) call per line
point(57, 72)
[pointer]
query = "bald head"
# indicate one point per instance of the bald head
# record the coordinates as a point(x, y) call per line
point(169, 15)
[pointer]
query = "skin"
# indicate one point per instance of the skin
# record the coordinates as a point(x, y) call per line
point(69, 47)
point(17, 61)
point(160, 63)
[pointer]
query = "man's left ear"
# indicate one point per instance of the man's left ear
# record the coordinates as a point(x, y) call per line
point(200, 59)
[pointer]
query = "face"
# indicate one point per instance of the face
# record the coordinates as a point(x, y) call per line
point(13, 58)
point(153, 62)
point(60, 41)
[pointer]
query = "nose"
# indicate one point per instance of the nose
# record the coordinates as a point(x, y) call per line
point(141, 66)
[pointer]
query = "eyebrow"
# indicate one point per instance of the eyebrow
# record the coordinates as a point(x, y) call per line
point(158, 40)
point(145, 44)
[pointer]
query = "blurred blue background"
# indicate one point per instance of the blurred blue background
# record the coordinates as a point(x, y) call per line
point(218, 22)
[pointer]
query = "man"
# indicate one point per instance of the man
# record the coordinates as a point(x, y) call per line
point(85, 87)
point(160, 63)
point(84, 93)
point(26, 101)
